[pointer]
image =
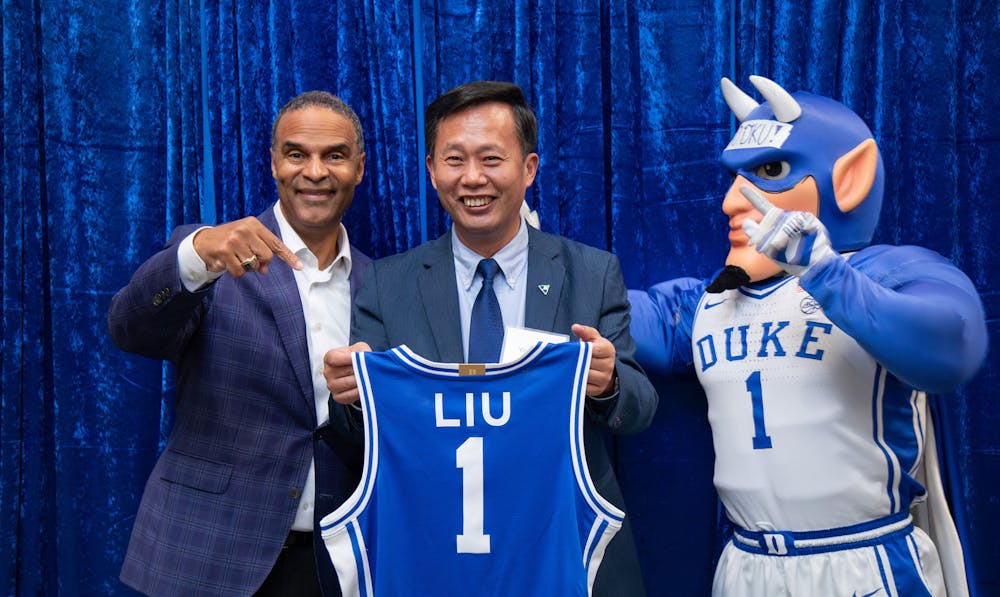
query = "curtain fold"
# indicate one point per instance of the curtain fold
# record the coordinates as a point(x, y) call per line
point(122, 120)
point(25, 472)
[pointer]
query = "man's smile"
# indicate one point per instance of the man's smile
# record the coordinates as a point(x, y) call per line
point(476, 201)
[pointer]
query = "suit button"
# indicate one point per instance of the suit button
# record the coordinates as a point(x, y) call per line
point(294, 493)
point(161, 296)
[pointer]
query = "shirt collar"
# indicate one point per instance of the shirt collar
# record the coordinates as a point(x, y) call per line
point(295, 243)
point(512, 258)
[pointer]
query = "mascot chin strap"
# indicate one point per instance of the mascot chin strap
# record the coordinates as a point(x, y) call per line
point(731, 276)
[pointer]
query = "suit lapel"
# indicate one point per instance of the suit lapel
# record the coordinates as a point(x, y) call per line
point(282, 295)
point(359, 268)
point(438, 292)
point(546, 275)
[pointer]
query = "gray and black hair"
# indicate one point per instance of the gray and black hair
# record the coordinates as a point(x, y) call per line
point(320, 99)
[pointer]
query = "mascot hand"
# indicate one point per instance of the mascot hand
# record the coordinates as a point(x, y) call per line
point(795, 240)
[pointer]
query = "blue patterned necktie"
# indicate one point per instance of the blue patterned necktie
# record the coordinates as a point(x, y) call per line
point(486, 327)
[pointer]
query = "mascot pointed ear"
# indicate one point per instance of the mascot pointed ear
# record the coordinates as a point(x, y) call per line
point(854, 174)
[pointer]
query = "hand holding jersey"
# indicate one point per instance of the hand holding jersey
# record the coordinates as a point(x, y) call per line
point(795, 240)
point(338, 369)
point(601, 374)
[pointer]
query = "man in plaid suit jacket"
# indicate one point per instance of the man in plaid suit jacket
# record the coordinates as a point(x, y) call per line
point(245, 311)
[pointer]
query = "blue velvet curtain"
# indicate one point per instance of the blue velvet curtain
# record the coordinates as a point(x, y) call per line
point(122, 120)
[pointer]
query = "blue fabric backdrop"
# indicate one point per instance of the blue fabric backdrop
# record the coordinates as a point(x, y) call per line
point(122, 120)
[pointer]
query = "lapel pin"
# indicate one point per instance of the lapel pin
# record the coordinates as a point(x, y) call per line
point(544, 288)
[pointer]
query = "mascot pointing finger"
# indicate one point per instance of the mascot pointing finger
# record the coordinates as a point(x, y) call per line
point(816, 350)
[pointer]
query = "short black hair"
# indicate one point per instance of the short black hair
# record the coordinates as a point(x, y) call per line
point(482, 92)
point(321, 99)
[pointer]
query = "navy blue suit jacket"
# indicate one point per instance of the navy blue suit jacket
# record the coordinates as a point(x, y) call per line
point(412, 299)
point(222, 495)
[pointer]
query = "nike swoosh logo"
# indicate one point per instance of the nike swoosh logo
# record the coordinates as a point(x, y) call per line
point(868, 594)
point(710, 305)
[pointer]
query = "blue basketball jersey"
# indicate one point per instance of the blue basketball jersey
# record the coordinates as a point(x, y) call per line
point(475, 480)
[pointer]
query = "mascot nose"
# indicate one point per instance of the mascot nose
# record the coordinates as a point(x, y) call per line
point(734, 202)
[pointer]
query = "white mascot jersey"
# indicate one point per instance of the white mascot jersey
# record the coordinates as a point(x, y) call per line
point(810, 432)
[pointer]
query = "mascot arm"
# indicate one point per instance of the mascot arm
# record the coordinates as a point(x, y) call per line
point(662, 318)
point(914, 312)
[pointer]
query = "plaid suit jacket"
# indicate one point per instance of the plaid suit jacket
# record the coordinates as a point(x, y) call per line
point(222, 496)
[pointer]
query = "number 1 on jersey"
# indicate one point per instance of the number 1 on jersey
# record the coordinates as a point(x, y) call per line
point(761, 440)
point(469, 458)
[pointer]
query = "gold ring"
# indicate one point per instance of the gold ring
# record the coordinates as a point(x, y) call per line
point(249, 264)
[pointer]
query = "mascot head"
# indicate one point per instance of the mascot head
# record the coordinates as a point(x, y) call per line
point(803, 152)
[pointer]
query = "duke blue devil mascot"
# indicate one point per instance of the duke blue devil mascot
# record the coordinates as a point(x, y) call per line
point(816, 351)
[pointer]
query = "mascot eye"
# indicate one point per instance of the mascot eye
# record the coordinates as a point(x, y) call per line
point(774, 170)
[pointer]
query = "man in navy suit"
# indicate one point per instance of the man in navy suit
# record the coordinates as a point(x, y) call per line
point(229, 507)
point(481, 157)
